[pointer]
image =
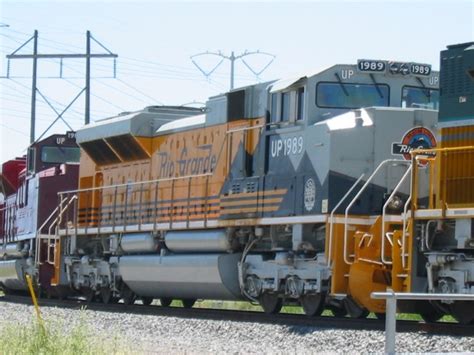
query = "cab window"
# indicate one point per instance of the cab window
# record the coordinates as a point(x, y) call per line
point(417, 97)
point(351, 96)
point(60, 155)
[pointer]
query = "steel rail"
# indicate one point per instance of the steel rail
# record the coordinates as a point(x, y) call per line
point(439, 328)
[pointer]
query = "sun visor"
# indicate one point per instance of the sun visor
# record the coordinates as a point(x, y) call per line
point(283, 84)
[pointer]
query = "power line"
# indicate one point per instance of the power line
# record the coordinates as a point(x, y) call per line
point(121, 91)
point(139, 91)
point(232, 58)
point(36, 56)
point(40, 102)
point(14, 130)
point(98, 97)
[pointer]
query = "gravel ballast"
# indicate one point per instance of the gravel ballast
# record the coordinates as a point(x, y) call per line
point(163, 335)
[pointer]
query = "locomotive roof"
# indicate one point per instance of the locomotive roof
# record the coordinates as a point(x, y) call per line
point(285, 83)
point(192, 121)
point(139, 123)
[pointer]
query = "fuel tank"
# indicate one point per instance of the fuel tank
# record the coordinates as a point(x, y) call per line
point(11, 274)
point(12, 250)
point(138, 243)
point(212, 241)
point(205, 276)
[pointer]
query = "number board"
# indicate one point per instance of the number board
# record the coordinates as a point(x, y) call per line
point(371, 66)
point(402, 68)
point(420, 69)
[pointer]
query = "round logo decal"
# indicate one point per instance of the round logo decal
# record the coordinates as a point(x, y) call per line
point(416, 138)
point(309, 194)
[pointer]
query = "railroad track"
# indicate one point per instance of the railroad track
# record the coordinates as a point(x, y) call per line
point(439, 328)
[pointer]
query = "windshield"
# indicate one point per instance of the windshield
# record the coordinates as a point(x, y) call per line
point(343, 95)
point(60, 154)
point(417, 97)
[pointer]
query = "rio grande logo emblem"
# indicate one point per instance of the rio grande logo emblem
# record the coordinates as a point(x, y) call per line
point(415, 138)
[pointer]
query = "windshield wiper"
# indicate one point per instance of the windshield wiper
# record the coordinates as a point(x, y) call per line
point(376, 85)
point(342, 84)
point(425, 91)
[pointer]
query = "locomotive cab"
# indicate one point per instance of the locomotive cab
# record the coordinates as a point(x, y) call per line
point(51, 165)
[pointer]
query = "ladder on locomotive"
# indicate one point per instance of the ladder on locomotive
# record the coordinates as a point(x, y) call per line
point(392, 241)
point(48, 241)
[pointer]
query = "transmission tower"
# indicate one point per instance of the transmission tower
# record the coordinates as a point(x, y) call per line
point(34, 89)
point(232, 58)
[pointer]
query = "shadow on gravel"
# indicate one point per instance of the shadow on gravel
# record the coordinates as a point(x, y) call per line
point(302, 330)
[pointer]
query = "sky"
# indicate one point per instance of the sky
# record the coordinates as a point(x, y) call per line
point(154, 41)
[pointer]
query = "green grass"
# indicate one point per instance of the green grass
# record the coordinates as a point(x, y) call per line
point(246, 306)
point(54, 338)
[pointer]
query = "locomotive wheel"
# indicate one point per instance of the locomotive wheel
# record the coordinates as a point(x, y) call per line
point(89, 294)
point(106, 295)
point(430, 313)
point(338, 312)
point(146, 300)
point(188, 302)
point(128, 296)
point(354, 310)
point(380, 316)
point(313, 304)
point(165, 302)
point(270, 303)
point(61, 293)
point(463, 311)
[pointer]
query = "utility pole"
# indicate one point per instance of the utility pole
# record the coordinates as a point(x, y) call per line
point(34, 89)
point(232, 58)
point(87, 117)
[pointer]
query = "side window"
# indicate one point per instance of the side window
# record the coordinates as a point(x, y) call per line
point(285, 106)
point(31, 160)
point(25, 194)
point(274, 113)
point(300, 104)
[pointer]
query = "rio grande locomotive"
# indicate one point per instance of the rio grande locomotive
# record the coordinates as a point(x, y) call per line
point(312, 190)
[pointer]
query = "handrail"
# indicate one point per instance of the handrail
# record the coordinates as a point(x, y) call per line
point(38, 231)
point(331, 226)
point(404, 235)
point(419, 151)
point(62, 210)
point(346, 215)
point(247, 128)
point(384, 210)
point(133, 183)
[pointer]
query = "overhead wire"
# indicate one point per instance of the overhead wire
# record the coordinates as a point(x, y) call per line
point(121, 91)
point(171, 70)
point(14, 130)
